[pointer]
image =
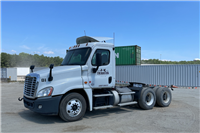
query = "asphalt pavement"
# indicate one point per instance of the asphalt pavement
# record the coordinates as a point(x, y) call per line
point(181, 116)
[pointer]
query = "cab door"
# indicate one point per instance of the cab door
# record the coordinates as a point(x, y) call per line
point(103, 76)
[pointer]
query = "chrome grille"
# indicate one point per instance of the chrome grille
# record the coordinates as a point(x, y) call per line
point(30, 86)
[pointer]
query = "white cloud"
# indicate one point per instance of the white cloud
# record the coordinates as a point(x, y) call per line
point(36, 52)
point(196, 59)
point(13, 51)
point(49, 52)
point(165, 60)
point(25, 47)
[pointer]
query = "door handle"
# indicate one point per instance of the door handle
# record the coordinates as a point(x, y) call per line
point(109, 80)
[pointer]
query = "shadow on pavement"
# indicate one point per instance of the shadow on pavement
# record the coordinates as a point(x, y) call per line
point(107, 112)
point(50, 119)
point(38, 118)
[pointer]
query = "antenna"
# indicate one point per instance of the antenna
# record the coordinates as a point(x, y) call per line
point(114, 38)
point(85, 32)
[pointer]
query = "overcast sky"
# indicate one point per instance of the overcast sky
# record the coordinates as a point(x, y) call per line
point(169, 29)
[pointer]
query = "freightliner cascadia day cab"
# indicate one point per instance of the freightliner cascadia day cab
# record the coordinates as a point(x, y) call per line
point(86, 80)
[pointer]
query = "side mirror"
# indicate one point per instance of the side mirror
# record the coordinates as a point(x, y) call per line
point(32, 67)
point(98, 59)
point(98, 62)
point(51, 66)
point(50, 74)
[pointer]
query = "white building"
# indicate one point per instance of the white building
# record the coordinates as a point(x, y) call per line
point(22, 72)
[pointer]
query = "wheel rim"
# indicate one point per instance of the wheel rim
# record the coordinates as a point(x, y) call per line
point(74, 107)
point(149, 99)
point(166, 97)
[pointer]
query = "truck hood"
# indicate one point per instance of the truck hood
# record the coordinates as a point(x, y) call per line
point(59, 70)
point(63, 78)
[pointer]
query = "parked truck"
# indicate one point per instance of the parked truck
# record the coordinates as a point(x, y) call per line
point(86, 80)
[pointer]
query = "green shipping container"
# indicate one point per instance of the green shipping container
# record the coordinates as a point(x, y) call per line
point(128, 55)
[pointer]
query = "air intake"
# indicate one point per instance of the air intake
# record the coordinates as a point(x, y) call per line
point(86, 39)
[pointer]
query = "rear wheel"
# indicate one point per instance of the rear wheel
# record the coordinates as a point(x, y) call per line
point(155, 89)
point(147, 99)
point(72, 107)
point(164, 97)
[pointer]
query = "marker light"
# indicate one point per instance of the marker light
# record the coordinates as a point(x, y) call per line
point(173, 86)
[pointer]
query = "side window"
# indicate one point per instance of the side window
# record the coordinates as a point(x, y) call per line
point(105, 55)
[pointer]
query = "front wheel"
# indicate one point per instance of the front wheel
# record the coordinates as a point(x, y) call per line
point(72, 107)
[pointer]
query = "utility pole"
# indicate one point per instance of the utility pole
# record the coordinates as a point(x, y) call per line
point(85, 32)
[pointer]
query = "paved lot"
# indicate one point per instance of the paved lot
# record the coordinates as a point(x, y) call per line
point(181, 116)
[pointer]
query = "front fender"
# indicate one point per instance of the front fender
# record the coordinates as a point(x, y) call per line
point(88, 92)
point(66, 85)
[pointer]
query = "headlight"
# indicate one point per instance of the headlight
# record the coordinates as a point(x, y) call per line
point(45, 92)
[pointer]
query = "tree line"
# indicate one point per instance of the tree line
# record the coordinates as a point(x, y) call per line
point(26, 60)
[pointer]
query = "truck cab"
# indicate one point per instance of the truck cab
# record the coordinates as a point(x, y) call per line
point(84, 80)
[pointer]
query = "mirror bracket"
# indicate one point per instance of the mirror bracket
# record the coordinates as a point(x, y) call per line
point(95, 69)
point(98, 62)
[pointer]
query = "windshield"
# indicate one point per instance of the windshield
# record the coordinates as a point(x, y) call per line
point(76, 57)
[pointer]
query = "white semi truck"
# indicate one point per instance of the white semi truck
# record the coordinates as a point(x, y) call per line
point(86, 80)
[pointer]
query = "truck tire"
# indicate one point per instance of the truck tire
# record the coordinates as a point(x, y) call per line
point(147, 99)
point(164, 97)
point(72, 107)
point(155, 89)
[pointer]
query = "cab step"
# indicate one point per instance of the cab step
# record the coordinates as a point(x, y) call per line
point(102, 95)
point(103, 107)
point(127, 93)
point(129, 103)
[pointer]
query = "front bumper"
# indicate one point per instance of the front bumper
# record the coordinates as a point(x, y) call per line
point(50, 105)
